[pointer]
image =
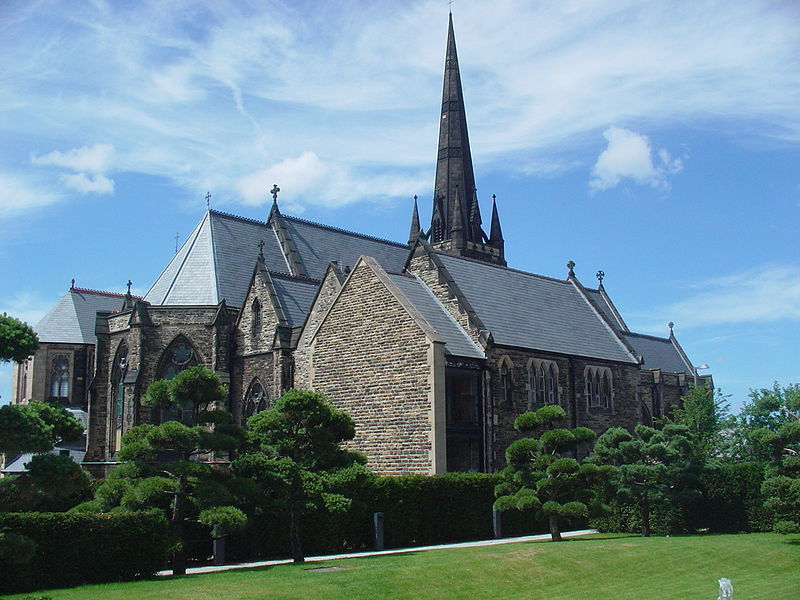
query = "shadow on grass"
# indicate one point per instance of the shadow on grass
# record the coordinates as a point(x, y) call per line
point(793, 541)
point(596, 537)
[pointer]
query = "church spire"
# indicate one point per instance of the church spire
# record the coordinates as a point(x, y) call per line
point(415, 228)
point(456, 217)
point(455, 178)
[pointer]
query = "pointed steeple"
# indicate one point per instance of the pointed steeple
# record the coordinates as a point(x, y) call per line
point(454, 170)
point(456, 216)
point(495, 233)
point(415, 228)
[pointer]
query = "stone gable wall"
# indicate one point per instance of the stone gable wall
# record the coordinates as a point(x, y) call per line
point(302, 358)
point(246, 342)
point(370, 359)
point(422, 267)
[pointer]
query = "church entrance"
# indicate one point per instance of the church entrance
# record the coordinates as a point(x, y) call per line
point(464, 419)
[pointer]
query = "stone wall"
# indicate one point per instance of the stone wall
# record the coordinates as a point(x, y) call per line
point(327, 294)
point(371, 359)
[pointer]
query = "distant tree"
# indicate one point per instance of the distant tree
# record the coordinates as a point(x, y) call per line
point(36, 427)
point(778, 411)
point(295, 455)
point(706, 414)
point(18, 340)
point(540, 476)
point(653, 467)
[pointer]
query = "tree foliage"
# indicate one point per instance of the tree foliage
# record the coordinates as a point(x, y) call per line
point(52, 483)
point(295, 455)
point(195, 387)
point(18, 340)
point(540, 476)
point(653, 466)
point(706, 414)
point(36, 427)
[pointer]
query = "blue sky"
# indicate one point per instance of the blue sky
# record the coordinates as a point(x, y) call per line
point(659, 142)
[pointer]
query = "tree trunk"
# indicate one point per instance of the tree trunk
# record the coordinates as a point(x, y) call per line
point(294, 537)
point(178, 516)
point(645, 517)
point(555, 531)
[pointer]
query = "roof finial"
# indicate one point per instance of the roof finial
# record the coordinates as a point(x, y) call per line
point(130, 283)
point(670, 325)
point(571, 267)
point(261, 249)
point(72, 287)
point(208, 200)
point(450, 6)
point(274, 191)
point(600, 275)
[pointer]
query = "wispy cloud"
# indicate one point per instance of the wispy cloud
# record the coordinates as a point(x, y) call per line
point(764, 294)
point(18, 195)
point(629, 155)
point(26, 306)
point(208, 94)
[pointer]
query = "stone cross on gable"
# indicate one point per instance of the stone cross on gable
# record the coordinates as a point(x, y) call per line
point(274, 191)
point(130, 283)
point(571, 267)
point(208, 199)
point(261, 248)
point(600, 275)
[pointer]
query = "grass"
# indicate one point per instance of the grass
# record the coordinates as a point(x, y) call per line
point(599, 567)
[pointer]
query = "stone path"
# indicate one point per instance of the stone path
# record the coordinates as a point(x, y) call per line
point(311, 559)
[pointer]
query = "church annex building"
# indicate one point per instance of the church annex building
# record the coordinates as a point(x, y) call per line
point(433, 346)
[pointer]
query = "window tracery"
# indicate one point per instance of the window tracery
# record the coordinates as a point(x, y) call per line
point(542, 382)
point(255, 401)
point(59, 377)
point(599, 386)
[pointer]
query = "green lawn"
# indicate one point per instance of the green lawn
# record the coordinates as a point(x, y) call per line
point(597, 567)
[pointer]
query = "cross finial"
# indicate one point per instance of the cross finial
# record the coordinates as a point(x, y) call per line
point(600, 275)
point(571, 267)
point(670, 325)
point(261, 248)
point(494, 197)
point(415, 197)
point(130, 283)
point(208, 199)
point(274, 191)
point(72, 287)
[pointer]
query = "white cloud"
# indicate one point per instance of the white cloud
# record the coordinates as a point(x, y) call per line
point(97, 184)
point(629, 155)
point(91, 159)
point(760, 295)
point(26, 306)
point(18, 195)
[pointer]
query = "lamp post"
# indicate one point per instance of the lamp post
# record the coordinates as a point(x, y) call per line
point(696, 369)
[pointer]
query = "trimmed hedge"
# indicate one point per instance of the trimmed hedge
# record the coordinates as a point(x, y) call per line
point(74, 549)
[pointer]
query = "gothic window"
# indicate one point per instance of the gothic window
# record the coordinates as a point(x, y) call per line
point(505, 384)
point(256, 400)
point(543, 375)
point(599, 387)
point(59, 377)
point(118, 372)
point(256, 323)
point(179, 356)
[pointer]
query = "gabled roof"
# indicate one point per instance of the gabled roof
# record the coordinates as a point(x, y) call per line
point(531, 311)
point(216, 260)
point(658, 353)
point(72, 319)
point(296, 296)
point(457, 342)
point(603, 302)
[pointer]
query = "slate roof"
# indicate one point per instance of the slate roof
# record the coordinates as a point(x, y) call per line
point(530, 311)
point(456, 340)
point(605, 308)
point(72, 319)
point(295, 295)
point(319, 245)
point(658, 353)
point(216, 260)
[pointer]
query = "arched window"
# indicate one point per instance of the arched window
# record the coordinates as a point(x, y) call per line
point(59, 377)
point(118, 372)
point(256, 322)
point(551, 385)
point(599, 386)
point(541, 386)
point(255, 401)
point(179, 356)
point(505, 384)
point(533, 397)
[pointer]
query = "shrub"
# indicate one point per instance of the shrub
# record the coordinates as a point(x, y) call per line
point(77, 548)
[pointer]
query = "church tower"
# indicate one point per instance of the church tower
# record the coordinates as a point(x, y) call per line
point(456, 218)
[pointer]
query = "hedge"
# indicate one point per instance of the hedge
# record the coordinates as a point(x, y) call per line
point(74, 549)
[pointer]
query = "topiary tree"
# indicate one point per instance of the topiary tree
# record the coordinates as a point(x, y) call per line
point(36, 427)
point(653, 466)
point(52, 483)
point(295, 455)
point(18, 340)
point(539, 475)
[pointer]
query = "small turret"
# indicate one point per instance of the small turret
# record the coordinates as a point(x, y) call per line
point(414, 232)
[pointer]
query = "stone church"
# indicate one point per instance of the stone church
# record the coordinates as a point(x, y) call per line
point(432, 346)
